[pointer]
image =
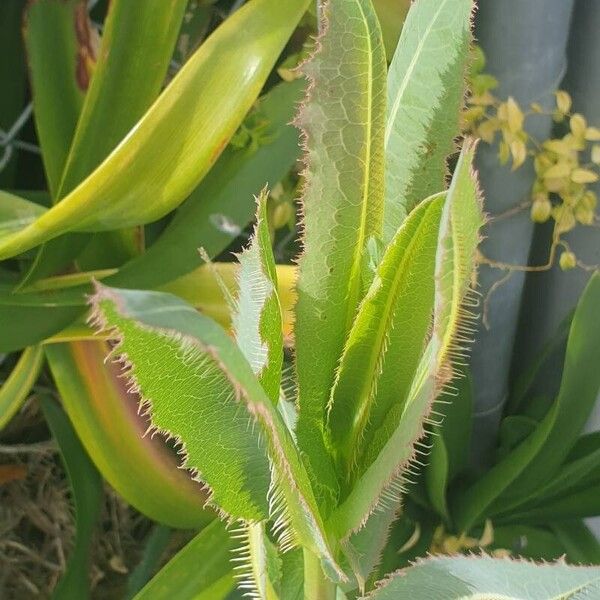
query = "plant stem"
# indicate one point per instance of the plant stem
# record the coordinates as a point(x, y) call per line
point(316, 585)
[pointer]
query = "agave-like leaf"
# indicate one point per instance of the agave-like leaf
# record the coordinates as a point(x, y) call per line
point(257, 322)
point(198, 387)
point(455, 266)
point(485, 578)
point(343, 122)
point(55, 36)
point(425, 93)
point(127, 77)
point(16, 212)
point(201, 570)
point(387, 339)
point(15, 389)
point(87, 490)
point(154, 164)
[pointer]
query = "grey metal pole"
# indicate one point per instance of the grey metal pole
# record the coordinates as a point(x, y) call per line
point(551, 295)
point(525, 43)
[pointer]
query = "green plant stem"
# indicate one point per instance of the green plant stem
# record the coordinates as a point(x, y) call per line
point(316, 585)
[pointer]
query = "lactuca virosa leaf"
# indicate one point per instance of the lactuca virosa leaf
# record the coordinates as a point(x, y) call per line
point(343, 125)
point(257, 320)
point(16, 387)
point(162, 167)
point(392, 322)
point(183, 381)
point(465, 578)
point(455, 262)
point(424, 95)
point(198, 387)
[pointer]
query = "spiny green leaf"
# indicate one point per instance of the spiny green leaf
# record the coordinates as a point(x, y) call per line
point(484, 578)
point(425, 94)
point(343, 123)
point(188, 392)
point(257, 321)
point(260, 564)
point(162, 167)
point(387, 339)
point(199, 387)
point(455, 265)
point(18, 384)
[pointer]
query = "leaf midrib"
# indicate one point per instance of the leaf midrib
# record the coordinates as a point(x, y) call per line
point(363, 408)
point(356, 262)
point(407, 76)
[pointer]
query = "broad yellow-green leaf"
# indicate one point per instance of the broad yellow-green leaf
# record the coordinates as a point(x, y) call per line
point(142, 469)
point(222, 205)
point(257, 320)
point(343, 122)
point(15, 389)
point(16, 213)
point(484, 578)
point(216, 86)
point(386, 341)
point(198, 386)
point(454, 268)
point(424, 96)
point(60, 53)
point(133, 57)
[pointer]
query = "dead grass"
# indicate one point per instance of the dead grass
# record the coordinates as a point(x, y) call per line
point(37, 520)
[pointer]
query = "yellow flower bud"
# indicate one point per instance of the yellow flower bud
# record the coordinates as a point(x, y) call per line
point(563, 101)
point(568, 260)
point(541, 208)
point(578, 125)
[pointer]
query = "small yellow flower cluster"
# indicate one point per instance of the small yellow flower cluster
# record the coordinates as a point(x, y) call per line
point(445, 543)
point(564, 166)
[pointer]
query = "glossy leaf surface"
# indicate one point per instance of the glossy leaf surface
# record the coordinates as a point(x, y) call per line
point(18, 384)
point(159, 166)
point(86, 486)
